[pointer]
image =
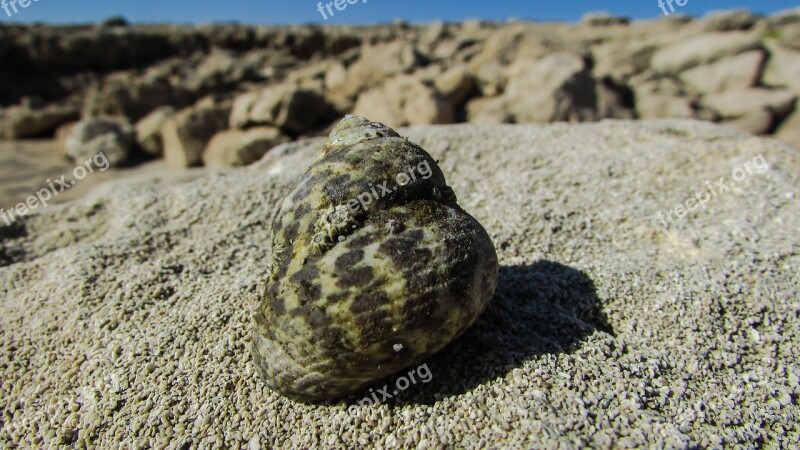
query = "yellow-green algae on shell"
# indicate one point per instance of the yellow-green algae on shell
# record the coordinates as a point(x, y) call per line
point(371, 271)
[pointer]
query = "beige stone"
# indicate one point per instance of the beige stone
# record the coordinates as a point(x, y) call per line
point(557, 87)
point(734, 104)
point(148, 130)
point(404, 100)
point(734, 73)
point(455, 85)
point(783, 67)
point(186, 134)
point(703, 49)
point(233, 148)
point(288, 106)
point(488, 110)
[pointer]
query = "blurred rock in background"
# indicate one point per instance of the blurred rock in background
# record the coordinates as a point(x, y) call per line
point(216, 94)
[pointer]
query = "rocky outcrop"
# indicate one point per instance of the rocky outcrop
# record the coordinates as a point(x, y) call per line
point(300, 80)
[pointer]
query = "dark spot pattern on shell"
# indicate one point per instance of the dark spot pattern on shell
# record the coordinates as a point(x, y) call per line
point(358, 293)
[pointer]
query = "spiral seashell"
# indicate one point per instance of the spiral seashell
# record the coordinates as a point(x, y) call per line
point(374, 267)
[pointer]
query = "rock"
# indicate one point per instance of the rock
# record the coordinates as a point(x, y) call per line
point(431, 35)
point(622, 59)
point(789, 130)
point(403, 100)
point(758, 121)
point(491, 78)
point(614, 101)
point(33, 120)
point(555, 88)
point(123, 95)
point(735, 20)
point(456, 85)
point(661, 97)
point(511, 43)
point(603, 19)
point(735, 104)
point(148, 130)
point(675, 324)
point(185, 134)
point(376, 63)
point(219, 69)
point(702, 49)
point(287, 106)
point(334, 82)
point(790, 36)
point(488, 110)
point(783, 68)
point(94, 136)
point(734, 73)
point(62, 135)
point(233, 148)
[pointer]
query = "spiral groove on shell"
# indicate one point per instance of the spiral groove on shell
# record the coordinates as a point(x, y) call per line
point(361, 289)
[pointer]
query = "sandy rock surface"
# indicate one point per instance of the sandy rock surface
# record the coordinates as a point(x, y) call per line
point(126, 316)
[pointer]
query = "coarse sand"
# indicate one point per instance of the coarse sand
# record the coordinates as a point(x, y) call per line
point(127, 313)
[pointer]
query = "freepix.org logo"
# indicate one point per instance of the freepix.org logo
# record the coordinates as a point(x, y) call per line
point(340, 5)
point(12, 7)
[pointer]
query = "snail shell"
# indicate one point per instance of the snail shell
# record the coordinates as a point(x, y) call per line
point(374, 267)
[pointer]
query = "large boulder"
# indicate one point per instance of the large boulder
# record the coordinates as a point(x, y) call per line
point(557, 87)
point(292, 108)
point(783, 68)
point(376, 63)
point(510, 43)
point(148, 130)
point(234, 148)
point(488, 110)
point(32, 119)
point(733, 104)
point(737, 72)
point(662, 97)
point(702, 49)
point(404, 100)
point(622, 59)
point(94, 136)
point(220, 69)
point(455, 85)
point(754, 110)
point(185, 134)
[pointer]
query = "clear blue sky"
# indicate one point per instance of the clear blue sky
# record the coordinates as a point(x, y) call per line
point(374, 11)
